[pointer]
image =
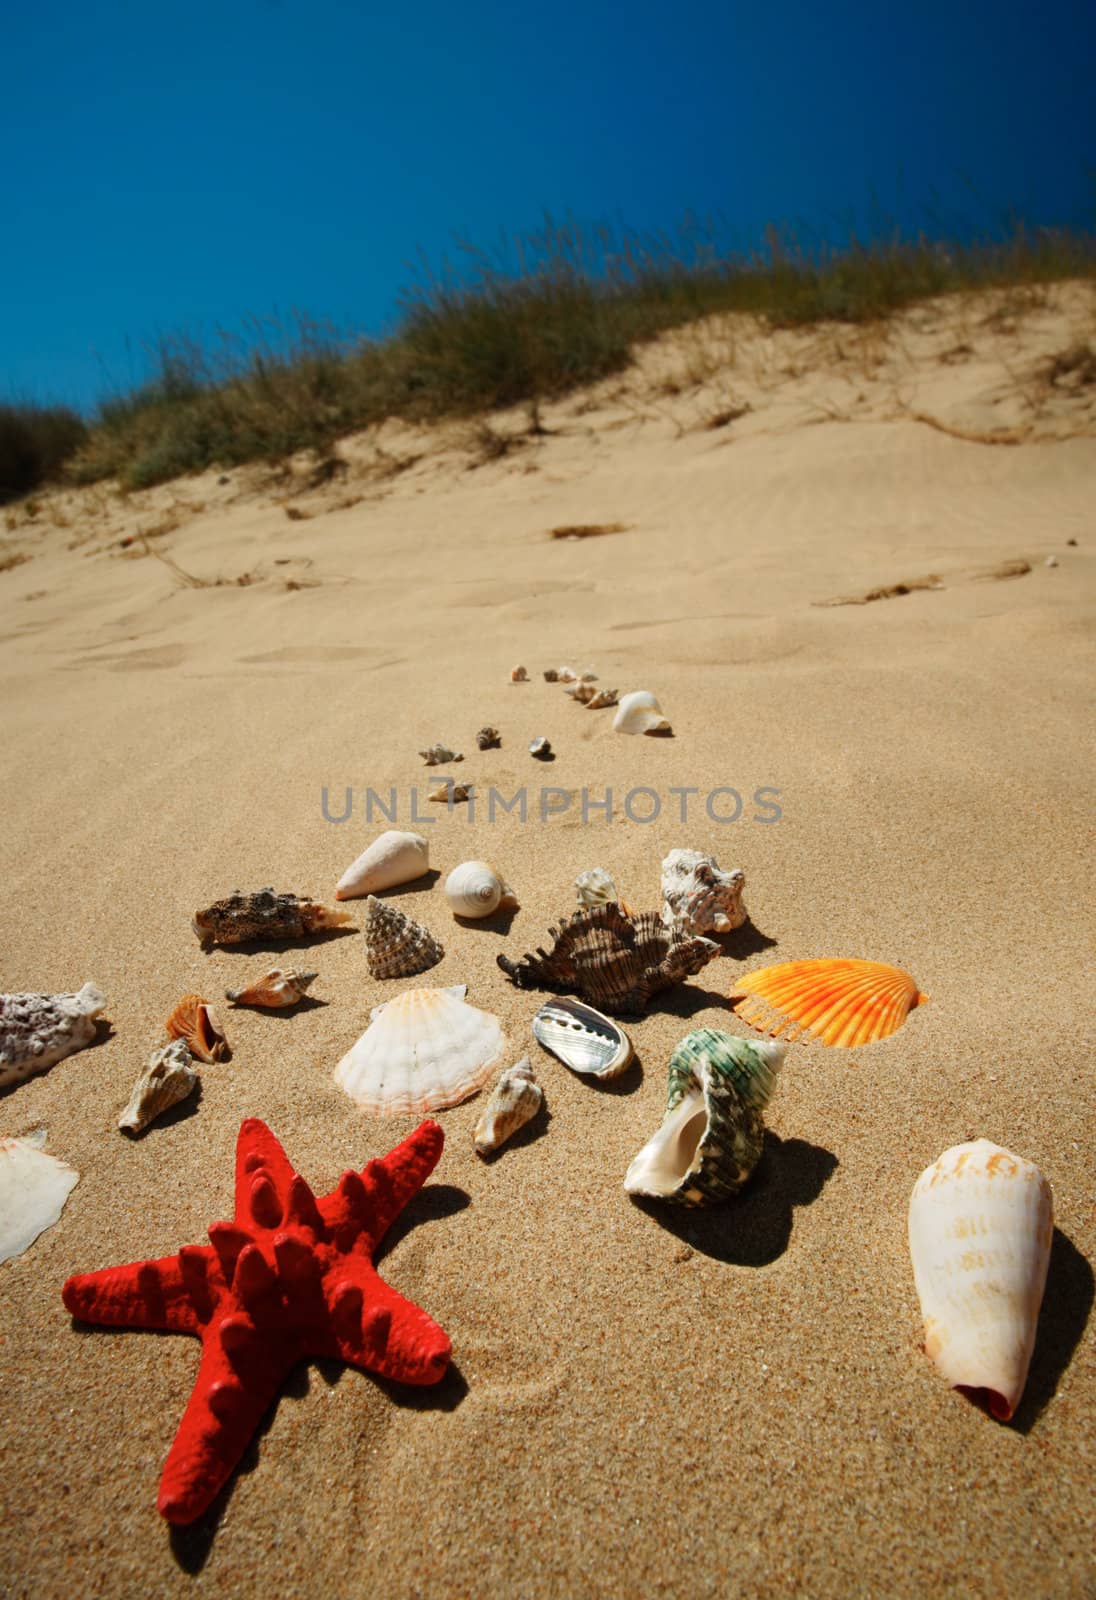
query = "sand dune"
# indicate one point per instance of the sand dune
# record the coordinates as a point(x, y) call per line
point(643, 1402)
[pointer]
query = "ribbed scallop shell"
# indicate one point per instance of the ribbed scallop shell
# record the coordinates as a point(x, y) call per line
point(395, 945)
point(423, 1051)
point(474, 889)
point(981, 1223)
point(712, 1135)
point(843, 1003)
point(193, 1020)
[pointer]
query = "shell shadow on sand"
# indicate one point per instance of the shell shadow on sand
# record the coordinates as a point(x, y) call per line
point(1067, 1304)
point(753, 1228)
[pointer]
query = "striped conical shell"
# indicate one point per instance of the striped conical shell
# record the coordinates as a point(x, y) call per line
point(395, 945)
point(836, 1002)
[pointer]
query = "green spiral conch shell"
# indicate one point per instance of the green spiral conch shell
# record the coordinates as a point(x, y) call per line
point(711, 1137)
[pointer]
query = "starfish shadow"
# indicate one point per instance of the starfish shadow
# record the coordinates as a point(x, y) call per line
point(433, 1202)
point(752, 1229)
point(1067, 1303)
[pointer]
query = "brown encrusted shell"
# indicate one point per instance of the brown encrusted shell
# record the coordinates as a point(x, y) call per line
point(265, 915)
point(614, 961)
point(395, 945)
point(193, 1020)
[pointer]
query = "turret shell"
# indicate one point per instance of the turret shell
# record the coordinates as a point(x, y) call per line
point(515, 1100)
point(474, 889)
point(981, 1222)
point(712, 1135)
point(395, 945)
point(394, 857)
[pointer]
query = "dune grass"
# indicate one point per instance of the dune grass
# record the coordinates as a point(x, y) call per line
point(550, 313)
point(35, 442)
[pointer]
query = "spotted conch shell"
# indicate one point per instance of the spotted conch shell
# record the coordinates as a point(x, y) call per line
point(515, 1100)
point(393, 858)
point(614, 961)
point(274, 989)
point(194, 1021)
point(698, 896)
point(395, 945)
point(980, 1228)
point(37, 1030)
point(168, 1079)
point(640, 712)
point(474, 889)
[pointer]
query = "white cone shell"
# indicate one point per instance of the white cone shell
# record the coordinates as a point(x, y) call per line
point(423, 1051)
point(640, 712)
point(474, 889)
point(980, 1228)
point(33, 1191)
point(393, 858)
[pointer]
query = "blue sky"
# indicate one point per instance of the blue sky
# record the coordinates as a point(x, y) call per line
point(185, 166)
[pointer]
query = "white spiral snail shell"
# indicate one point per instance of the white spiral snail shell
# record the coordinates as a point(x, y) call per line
point(474, 889)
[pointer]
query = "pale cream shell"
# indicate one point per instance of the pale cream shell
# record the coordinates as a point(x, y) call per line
point(394, 857)
point(474, 889)
point(423, 1051)
point(640, 712)
point(980, 1228)
point(33, 1191)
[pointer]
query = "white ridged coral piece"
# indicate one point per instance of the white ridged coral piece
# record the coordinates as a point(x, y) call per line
point(981, 1222)
point(515, 1100)
point(395, 857)
point(37, 1030)
point(423, 1051)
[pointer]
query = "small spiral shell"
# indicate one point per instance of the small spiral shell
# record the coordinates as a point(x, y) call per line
point(474, 889)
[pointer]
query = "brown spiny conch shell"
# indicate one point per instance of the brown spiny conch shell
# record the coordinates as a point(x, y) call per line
point(265, 915)
point(515, 1100)
point(518, 675)
point(395, 945)
point(193, 1021)
point(451, 793)
point(698, 896)
point(439, 754)
point(614, 961)
point(488, 739)
point(274, 988)
point(168, 1078)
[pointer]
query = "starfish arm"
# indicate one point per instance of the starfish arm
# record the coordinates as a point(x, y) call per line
point(143, 1294)
point(231, 1395)
point(373, 1326)
point(369, 1202)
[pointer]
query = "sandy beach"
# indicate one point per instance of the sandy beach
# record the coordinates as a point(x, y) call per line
point(643, 1401)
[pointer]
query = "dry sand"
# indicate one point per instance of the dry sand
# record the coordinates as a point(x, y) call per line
point(642, 1401)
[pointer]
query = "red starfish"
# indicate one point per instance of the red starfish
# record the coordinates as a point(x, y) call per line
point(289, 1277)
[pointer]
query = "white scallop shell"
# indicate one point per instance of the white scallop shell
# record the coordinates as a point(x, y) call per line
point(640, 712)
point(423, 1051)
point(33, 1191)
point(980, 1228)
point(392, 858)
point(474, 889)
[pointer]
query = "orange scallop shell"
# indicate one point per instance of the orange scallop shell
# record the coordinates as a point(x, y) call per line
point(842, 1003)
point(193, 1020)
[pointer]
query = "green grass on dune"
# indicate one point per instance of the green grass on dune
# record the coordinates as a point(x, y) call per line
point(569, 310)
